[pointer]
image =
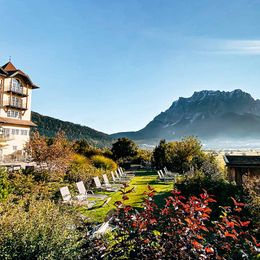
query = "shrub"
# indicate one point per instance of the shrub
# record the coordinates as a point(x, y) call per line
point(38, 230)
point(104, 163)
point(27, 184)
point(5, 185)
point(182, 229)
point(81, 169)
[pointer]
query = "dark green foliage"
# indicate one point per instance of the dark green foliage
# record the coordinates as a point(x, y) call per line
point(159, 155)
point(219, 188)
point(124, 149)
point(49, 127)
point(83, 147)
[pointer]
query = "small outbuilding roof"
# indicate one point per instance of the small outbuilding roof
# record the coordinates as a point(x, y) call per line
point(242, 160)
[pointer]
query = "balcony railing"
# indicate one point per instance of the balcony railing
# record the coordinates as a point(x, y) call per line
point(21, 91)
point(11, 104)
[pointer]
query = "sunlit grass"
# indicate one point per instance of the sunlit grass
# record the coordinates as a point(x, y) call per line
point(140, 182)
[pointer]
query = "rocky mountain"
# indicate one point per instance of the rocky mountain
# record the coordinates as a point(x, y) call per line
point(50, 126)
point(206, 114)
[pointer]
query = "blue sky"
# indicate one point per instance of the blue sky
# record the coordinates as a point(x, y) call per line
point(114, 65)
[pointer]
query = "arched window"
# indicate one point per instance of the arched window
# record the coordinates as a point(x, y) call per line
point(17, 85)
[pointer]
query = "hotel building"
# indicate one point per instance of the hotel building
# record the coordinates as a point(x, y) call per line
point(15, 111)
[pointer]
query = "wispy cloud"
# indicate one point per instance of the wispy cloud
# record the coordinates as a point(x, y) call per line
point(244, 47)
point(180, 42)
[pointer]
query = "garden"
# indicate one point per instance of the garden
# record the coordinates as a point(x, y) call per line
point(192, 213)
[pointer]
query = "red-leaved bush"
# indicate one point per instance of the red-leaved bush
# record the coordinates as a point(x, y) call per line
point(181, 229)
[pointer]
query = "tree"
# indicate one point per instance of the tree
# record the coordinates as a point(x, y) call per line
point(124, 148)
point(143, 157)
point(159, 155)
point(179, 156)
point(51, 155)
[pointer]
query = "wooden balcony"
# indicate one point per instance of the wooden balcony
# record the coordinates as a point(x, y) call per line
point(17, 91)
point(15, 105)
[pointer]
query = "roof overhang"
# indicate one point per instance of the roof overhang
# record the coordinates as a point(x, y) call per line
point(11, 121)
point(242, 161)
point(24, 76)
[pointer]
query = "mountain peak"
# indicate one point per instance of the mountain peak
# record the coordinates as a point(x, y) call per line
point(217, 93)
point(206, 113)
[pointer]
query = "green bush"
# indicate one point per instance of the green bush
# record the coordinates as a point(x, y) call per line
point(38, 230)
point(81, 169)
point(101, 162)
point(5, 185)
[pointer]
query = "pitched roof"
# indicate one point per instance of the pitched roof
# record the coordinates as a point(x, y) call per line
point(9, 66)
point(242, 160)
point(10, 70)
point(12, 121)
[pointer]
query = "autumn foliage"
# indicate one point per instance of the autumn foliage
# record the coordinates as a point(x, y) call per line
point(50, 155)
point(181, 229)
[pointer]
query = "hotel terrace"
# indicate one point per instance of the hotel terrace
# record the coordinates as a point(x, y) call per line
point(15, 112)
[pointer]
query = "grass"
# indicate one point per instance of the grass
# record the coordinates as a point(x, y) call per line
point(141, 180)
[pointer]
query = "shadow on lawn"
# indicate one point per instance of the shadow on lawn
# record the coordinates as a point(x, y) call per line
point(159, 199)
point(144, 173)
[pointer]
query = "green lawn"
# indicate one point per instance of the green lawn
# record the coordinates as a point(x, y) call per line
point(140, 182)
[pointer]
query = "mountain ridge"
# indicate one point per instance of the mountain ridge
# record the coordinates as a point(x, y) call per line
point(49, 127)
point(206, 114)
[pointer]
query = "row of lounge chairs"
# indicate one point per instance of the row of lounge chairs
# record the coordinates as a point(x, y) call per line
point(88, 197)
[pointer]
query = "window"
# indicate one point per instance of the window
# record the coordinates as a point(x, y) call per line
point(14, 114)
point(17, 102)
point(24, 132)
point(6, 131)
point(15, 131)
point(14, 148)
point(17, 86)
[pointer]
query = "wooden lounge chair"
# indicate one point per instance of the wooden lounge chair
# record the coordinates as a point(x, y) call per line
point(88, 193)
point(103, 187)
point(80, 200)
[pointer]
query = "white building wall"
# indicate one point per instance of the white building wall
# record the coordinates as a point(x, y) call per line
point(16, 139)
